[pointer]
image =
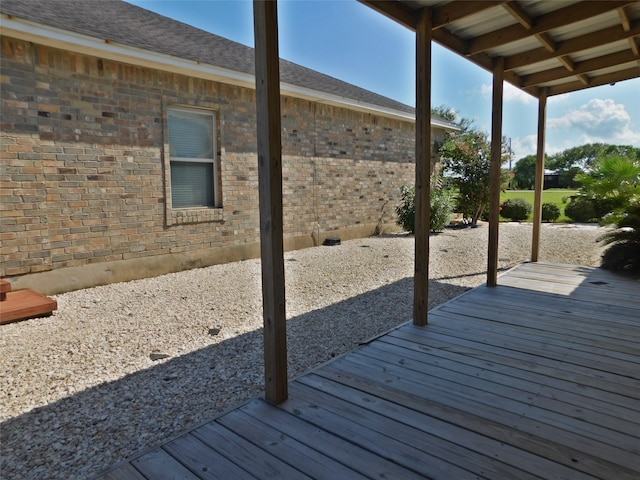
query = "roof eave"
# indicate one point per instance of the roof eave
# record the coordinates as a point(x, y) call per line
point(105, 48)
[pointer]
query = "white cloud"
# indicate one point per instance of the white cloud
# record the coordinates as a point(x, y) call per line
point(513, 94)
point(560, 99)
point(528, 145)
point(524, 146)
point(599, 120)
point(510, 93)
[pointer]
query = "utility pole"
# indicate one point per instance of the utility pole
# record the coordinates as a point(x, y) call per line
point(510, 158)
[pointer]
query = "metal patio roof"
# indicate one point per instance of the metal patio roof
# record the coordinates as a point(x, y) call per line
point(558, 45)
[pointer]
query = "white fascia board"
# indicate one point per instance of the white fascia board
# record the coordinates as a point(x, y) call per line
point(84, 44)
point(104, 48)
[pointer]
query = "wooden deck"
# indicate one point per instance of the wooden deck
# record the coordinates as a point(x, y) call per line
point(23, 304)
point(537, 378)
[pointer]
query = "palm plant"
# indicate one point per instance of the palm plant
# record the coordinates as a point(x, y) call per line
point(624, 252)
point(612, 184)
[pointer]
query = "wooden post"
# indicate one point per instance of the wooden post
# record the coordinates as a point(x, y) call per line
point(265, 15)
point(496, 164)
point(539, 182)
point(423, 168)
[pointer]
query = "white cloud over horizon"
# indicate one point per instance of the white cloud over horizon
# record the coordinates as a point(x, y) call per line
point(599, 120)
point(528, 145)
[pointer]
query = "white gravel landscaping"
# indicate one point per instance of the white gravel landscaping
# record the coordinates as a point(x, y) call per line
point(122, 367)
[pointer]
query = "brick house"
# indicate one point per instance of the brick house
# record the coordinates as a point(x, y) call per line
point(128, 146)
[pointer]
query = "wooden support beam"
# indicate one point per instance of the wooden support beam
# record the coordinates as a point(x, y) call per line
point(527, 22)
point(584, 42)
point(584, 67)
point(594, 81)
point(546, 41)
point(406, 16)
point(567, 62)
point(559, 18)
point(450, 12)
point(423, 167)
point(633, 43)
point(265, 14)
point(519, 14)
point(496, 164)
point(396, 11)
point(539, 179)
point(625, 20)
point(584, 79)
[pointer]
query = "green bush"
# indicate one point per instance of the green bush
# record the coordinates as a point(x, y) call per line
point(406, 211)
point(441, 209)
point(624, 251)
point(580, 209)
point(516, 209)
point(550, 212)
point(606, 206)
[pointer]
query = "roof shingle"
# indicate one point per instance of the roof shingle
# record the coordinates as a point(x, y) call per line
point(121, 22)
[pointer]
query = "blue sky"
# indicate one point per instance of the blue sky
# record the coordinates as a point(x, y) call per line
point(349, 41)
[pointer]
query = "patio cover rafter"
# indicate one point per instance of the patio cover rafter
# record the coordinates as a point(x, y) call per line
point(557, 46)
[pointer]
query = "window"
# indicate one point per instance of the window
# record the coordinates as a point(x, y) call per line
point(192, 147)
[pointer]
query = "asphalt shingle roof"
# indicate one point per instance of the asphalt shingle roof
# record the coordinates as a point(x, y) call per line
point(121, 22)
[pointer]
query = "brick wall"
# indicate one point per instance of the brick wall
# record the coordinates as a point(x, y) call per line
point(84, 164)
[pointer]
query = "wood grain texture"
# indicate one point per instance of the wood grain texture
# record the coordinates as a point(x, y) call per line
point(495, 171)
point(270, 198)
point(539, 379)
point(539, 176)
point(423, 168)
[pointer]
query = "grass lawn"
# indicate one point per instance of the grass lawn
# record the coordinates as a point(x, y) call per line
point(548, 196)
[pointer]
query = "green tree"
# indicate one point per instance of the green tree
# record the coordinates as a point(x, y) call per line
point(467, 160)
point(576, 160)
point(568, 178)
point(445, 112)
point(524, 172)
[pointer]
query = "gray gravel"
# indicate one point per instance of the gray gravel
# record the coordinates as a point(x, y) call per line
point(123, 367)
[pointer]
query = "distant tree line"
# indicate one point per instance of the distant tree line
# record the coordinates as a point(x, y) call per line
point(569, 164)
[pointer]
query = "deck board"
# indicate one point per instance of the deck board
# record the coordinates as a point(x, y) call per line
point(538, 378)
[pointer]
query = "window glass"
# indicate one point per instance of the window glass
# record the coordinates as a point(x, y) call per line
point(192, 184)
point(192, 158)
point(191, 134)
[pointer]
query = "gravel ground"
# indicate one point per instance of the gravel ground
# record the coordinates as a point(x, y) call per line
point(122, 367)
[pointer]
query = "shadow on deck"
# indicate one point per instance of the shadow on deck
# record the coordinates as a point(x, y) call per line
point(538, 378)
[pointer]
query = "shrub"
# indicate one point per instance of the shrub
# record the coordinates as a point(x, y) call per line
point(550, 212)
point(441, 209)
point(606, 206)
point(624, 252)
point(516, 209)
point(406, 211)
point(580, 209)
